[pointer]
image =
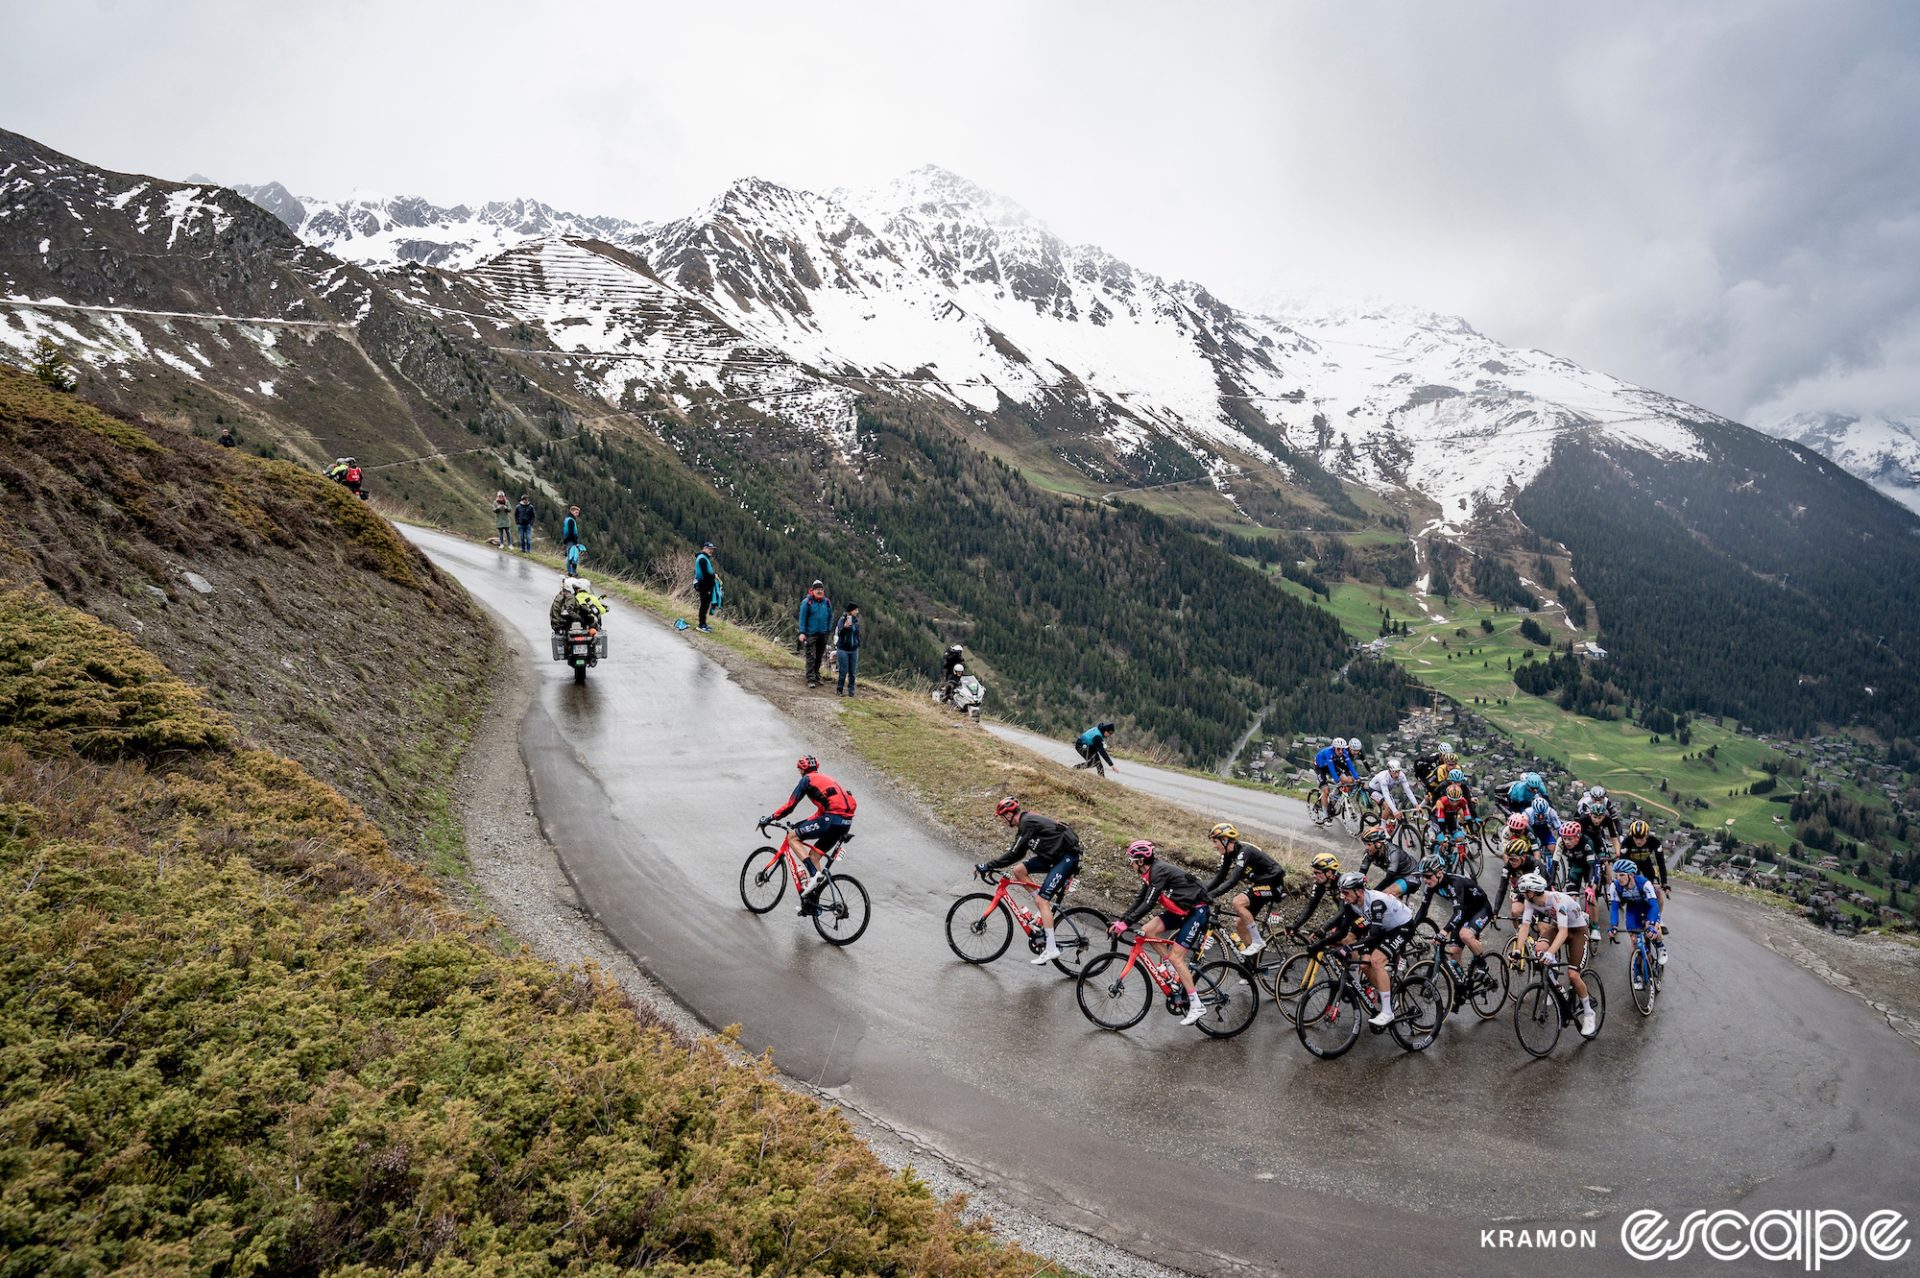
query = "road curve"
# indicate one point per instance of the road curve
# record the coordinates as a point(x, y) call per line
point(1753, 1084)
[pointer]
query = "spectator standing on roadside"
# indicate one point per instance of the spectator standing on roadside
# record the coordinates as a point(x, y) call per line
point(816, 623)
point(570, 541)
point(502, 520)
point(846, 649)
point(523, 519)
point(704, 579)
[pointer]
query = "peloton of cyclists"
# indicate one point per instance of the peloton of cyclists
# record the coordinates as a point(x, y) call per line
point(1266, 880)
point(1049, 847)
point(1183, 914)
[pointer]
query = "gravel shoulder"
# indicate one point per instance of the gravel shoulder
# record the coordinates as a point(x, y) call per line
point(520, 876)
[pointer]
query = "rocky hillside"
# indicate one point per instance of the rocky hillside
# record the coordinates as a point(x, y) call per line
point(312, 625)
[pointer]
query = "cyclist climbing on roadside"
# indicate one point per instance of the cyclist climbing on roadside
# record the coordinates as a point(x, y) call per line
point(1633, 894)
point(1601, 817)
point(1472, 911)
point(1518, 861)
point(1379, 924)
point(1560, 913)
point(1572, 853)
point(1381, 784)
point(1543, 823)
point(1183, 914)
point(1328, 764)
point(1266, 880)
point(1450, 813)
point(831, 822)
point(1092, 745)
point(1400, 866)
point(1642, 847)
point(1049, 847)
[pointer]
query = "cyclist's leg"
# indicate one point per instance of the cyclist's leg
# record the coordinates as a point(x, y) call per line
point(1576, 951)
point(1185, 932)
point(1054, 886)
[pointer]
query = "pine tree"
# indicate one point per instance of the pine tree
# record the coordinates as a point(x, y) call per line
point(51, 367)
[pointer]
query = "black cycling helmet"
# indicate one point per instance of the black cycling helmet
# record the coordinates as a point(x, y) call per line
point(1104, 727)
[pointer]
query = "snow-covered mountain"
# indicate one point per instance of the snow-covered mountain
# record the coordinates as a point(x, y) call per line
point(380, 231)
point(1884, 451)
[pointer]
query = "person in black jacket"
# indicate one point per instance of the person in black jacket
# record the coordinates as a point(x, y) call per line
point(1183, 915)
point(846, 650)
point(523, 520)
point(1051, 848)
point(1266, 880)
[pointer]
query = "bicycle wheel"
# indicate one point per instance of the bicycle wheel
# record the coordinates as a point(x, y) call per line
point(1536, 1019)
point(1419, 1010)
point(1644, 988)
point(763, 880)
point(1077, 932)
point(1407, 839)
point(1487, 984)
point(1290, 978)
point(1436, 973)
point(1109, 1000)
point(842, 910)
point(1350, 816)
point(1232, 999)
point(1328, 1018)
point(1317, 808)
point(1597, 991)
point(976, 930)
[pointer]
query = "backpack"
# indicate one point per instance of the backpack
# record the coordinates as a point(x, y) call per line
point(353, 475)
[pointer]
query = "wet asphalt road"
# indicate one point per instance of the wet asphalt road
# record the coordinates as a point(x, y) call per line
point(1753, 1084)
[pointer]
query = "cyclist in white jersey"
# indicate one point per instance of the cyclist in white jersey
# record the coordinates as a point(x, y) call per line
point(1378, 924)
point(1381, 786)
point(1567, 920)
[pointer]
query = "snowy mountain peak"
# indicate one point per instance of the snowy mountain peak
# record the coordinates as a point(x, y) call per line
point(933, 194)
point(1881, 449)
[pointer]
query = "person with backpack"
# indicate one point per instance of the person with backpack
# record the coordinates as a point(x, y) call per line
point(570, 540)
point(816, 623)
point(831, 822)
point(705, 581)
point(846, 649)
point(353, 477)
point(523, 515)
point(502, 520)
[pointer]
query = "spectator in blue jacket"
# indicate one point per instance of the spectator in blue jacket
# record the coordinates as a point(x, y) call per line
point(704, 578)
point(816, 623)
point(846, 649)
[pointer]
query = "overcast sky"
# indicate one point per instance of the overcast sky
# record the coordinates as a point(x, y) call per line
point(1718, 199)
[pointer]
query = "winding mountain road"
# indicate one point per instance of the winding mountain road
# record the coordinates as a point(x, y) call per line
point(1754, 1084)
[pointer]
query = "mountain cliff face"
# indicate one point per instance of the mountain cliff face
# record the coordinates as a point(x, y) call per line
point(1883, 450)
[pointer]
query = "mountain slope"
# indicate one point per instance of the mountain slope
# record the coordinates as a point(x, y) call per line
point(1883, 450)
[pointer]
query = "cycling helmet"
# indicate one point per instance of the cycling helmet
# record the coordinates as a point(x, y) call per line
point(1624, 866)
point(1517, 847)
point(1571, 832)
point(1517, 823)
point(1446, 747)
point(807, 763)
point(1598, 792)
point(1432, 863)
point(1225, 831)
point(1638, 830)
point(1533, 779)
point(1373, 834)
point(1353, 744)
point(1007, 806)
point(1327, 862)
point(1454, 791)
point(1530, 883)
point(1393, 765)
point(1352, 879)
point(1104, 727)
point(954, 649)
point(1456, 775)
point(1339, 743)
point(1140, 850)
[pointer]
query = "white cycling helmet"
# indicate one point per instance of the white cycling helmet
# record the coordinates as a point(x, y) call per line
point(1354, 745)
point(1446, 747)
point(1598, 792)
point(1339, 743)
point(1530, 883)
point(1393, 765)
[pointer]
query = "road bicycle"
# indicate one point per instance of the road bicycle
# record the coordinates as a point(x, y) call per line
point(1643, 965)
point(1547, 1005)
point(1479, 981)
point(980, 925)
point(1115, 990)
point(1343, 807)
point(1460, 849)
point(1332, 1010)
point(841, 908)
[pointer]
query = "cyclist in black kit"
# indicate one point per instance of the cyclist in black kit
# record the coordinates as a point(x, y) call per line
point(1326, 871)
point(1265, 877)
point(1051, 848)
point(1472, 911)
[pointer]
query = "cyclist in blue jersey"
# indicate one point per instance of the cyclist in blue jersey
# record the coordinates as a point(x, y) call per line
point(1632, 893)
point(1328, 764)
point(1543, 823)
point(1523, 792)
point(1092, 745)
